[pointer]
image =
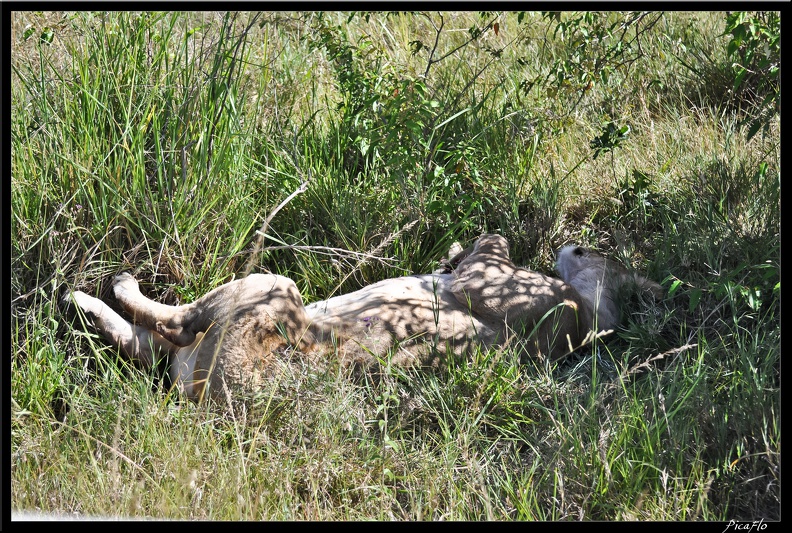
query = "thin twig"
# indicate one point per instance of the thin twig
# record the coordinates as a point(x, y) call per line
point(657, 357)
point(374, 253)
point(263, 231)
point(326, 250)
point(472, 38)
point(437, 41)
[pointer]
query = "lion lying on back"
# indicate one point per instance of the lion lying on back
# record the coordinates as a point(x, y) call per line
point(232, 334)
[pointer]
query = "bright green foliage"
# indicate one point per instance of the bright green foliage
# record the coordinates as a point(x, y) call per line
point(755, 48)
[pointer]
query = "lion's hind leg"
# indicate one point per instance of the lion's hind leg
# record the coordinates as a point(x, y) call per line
point(174, 323)
point(138, 343)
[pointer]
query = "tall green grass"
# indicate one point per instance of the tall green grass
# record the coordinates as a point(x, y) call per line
point(160, 143)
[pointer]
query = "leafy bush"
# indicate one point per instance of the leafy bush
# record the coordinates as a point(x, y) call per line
point(755, 49)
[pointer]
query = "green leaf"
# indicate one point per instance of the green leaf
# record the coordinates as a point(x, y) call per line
point(754, 299)
point(446, 121)
point(674, 286)
point(193, 30)
point(740, 75)
point(413, 125)
point(46, 36)
point(435, 206)
point(734, 44)
point(754, 129)
point(695, 297)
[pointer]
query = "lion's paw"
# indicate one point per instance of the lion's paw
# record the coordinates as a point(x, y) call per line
point(87, 304)
point(124, 283)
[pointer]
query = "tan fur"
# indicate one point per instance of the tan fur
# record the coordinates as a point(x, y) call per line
point(228, 337)
point(599, 281)
point(545, 310)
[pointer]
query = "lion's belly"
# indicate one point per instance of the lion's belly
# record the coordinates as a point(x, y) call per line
point(412, 309)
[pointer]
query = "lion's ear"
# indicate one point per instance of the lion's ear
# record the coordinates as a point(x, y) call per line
point(454, 250)
point(454, 261)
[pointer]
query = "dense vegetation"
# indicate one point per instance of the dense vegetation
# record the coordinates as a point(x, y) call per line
point(343, 148)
